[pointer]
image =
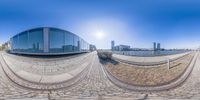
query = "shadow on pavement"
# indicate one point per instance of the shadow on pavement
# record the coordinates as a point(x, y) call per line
point(106, 61)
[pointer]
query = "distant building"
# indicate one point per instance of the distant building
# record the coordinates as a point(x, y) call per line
point(124, 47)
point(158, 46)
point(5, 46)
point(112, 45)
point(154, 46)
point(116, 48)
point(119, 47)
point(92, 47)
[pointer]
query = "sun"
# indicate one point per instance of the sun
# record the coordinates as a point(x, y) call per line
point(100, 35)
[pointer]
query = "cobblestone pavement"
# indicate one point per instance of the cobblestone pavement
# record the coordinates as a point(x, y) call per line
point(45, 82)
point(190, 89)
point(9, 90)
point(94, 85)
point(45, 66)
point(97, 86)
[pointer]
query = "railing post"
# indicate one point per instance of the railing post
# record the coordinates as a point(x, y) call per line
point(168, 64)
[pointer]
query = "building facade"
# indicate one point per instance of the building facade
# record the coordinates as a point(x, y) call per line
point(154, 46)
point(158, 46)
point(124, 47)
point(47, 41)
point(112, 45)
point(92, 47)
point(121, 48)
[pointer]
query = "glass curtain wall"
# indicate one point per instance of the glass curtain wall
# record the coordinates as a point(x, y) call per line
point(36, 40)
point(28, 41)
point(56, 41)
point(76, 43)
point(15, 43)
point(23, 41)
point(59, 41)
point(69, 42)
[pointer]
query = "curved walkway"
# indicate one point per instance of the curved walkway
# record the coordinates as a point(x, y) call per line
point(153, 88)
point(16, 71)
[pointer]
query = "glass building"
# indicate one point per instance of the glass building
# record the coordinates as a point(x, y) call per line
point(47, 41)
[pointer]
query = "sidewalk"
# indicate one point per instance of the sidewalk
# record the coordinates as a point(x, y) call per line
point(33, 80)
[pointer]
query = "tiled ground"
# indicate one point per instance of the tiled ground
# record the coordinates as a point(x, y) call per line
point(97, 86)
point(45, 66)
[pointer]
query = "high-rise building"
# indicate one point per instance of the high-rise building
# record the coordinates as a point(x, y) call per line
point(158, 46)
point(112, 45)
point(154, 46)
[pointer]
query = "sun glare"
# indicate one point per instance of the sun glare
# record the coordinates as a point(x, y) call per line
point(100, 35)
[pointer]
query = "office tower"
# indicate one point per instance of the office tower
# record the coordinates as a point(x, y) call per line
point(112, 45)
point(154, 46)
point(158, 46)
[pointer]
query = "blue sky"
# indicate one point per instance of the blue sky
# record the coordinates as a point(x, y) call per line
point(173, 23)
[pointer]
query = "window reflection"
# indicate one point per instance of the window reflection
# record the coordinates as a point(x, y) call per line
point(76, 43)
point(69, 42)
point(23, 41)
point(15, 43)
point(36, 40)
point(56, 40)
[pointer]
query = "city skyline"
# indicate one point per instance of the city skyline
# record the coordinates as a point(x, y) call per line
point(174, 24)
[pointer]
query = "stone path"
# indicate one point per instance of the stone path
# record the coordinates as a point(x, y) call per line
point(45, 66)
point(42, 81)
point(9, 90)
point(96, 86)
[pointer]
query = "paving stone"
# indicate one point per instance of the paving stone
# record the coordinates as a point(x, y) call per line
point(97, 86)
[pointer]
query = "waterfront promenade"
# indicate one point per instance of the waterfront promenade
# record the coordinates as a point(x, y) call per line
point(148, 60)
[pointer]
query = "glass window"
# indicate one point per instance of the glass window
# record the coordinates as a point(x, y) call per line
point(36, 40)
point(69, 42)
point(56, 40)
point(88, 47)
point(76, 43)
point(83, 45)
point(23, 41)
point(15, 43)
point(80, 42)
